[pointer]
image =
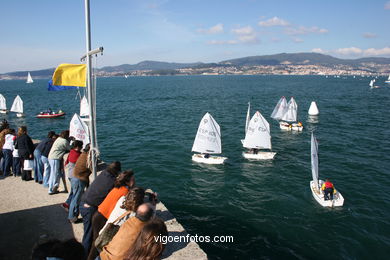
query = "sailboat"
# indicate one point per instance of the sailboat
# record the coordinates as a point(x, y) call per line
point(315, 184)
point(29, 78)
point(372, 82)
point(388, 80)
point(313, 109)
point(258, 137)
point(280, 109)
point(291, 115)
point(208, 141)
point(247, 120)
point(84, 109)
point(17, 106)
point(3, 105)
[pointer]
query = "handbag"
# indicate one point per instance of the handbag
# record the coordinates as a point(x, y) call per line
point(108, 233)
point(28, 165)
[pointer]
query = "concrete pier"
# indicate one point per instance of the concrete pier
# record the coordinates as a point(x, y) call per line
point(29, 215)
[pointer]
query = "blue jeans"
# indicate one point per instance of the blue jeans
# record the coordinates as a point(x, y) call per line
point(46, 171)
point(87, 214)
point(69, 199)
point(77, 186)
point(7, 162)
point(16, 166)
point(55, 174)
point(38, 166)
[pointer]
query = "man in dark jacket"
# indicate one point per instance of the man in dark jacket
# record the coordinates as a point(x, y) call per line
point(92, 198)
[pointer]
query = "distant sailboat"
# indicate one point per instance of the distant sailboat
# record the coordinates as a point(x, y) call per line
point(29, 78)
point(313, 109)
point(315, 184)
point(248, 118)
point(280, 109)
point(388, 80)
point(17, 106)
point(372, 82)
point(290, 115)
point(3, 105)
point(84, 109)
point(257, 138)
point(208, 141)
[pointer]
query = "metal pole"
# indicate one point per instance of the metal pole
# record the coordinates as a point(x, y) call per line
point(91, 98)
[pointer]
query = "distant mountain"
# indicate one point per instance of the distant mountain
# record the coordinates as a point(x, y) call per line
point(149, 65)
point(304, 58)
point(307, 58)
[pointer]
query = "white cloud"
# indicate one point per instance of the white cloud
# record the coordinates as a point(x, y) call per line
point(319, 50)
point(349, 51)
point(243, 30)
point(387, 5)
point(377, 52)
point(355, 52)
point(369, 35)
point(216, 42)
point(218, 28)
point(274, 21)
point(302, 30)
point(297, 40)
point(246, 34)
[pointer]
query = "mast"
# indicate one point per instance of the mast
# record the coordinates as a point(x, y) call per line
point(91, 91)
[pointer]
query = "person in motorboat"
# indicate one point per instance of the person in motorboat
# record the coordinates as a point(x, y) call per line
point(49, 111)
point(328, 189)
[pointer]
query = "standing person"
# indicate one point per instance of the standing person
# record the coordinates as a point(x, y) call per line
point(92, 198)
point(57, 151)
point(123, 183)
point(38, 164)
point(25, 148)
point(16, 168)
point(70, 163)
point(45, 153)
point(8, 147)
point(328, 189)
point(4, 130)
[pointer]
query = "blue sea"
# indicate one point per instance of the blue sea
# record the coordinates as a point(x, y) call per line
point(149, 124)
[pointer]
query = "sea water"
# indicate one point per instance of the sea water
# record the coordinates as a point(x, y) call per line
point(149, 124)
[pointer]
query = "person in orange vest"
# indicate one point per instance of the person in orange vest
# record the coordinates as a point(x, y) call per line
point(328, 189)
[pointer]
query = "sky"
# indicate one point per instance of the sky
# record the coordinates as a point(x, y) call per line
point(41, 34)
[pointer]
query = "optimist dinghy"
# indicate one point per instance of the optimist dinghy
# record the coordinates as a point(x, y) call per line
point(315, 184)
point(208, 141)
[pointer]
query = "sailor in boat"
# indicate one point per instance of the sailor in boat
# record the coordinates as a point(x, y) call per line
point(253, 151)
point(328, 189)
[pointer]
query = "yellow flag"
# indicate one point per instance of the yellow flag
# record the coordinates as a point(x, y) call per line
point(70, 75)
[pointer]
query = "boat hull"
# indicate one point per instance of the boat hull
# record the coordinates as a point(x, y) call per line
point(290, 127)
point(51, 115)
point(210, 160)
point(19, 115)
point(338, 199)
point(259, 156)
point(3, 111)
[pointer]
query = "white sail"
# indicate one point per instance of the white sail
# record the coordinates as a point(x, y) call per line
point(84, 107)
point(29, 78)
point(280, 109)
point(258, 135)
point(372, 83)
point(314, 160)
point(292, 111)
point(247, 117)
point(17, 106)
point(208, 137)
point(79, 130)
point(313, 109)
point(388, 80)
point(3, 105)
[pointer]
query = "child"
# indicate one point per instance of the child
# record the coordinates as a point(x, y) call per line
point(69, 166)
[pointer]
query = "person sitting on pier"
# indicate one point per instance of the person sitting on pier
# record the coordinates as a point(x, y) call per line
point(146, 246)
point(124, 239)
point(328, 189)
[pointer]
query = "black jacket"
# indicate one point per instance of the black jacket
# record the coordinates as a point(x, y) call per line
point(99, 188)
point(25, 146)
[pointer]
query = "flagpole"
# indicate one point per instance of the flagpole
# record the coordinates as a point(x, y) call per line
point(91, 91)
